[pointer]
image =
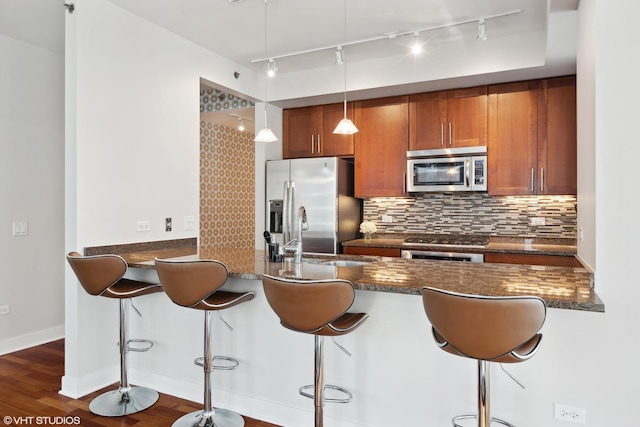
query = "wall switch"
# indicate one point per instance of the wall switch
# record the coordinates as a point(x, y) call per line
point(572, 414)
point(143, 226)
point(539, 220)
point(20, 228)
point(189, 222)
point(5, 309)
point(167, 224)
point(387, 218)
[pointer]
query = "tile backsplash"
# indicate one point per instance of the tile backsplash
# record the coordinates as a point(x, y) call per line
point(470, 213)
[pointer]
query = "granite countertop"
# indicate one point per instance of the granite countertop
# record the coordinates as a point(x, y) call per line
point(497, 244)
point(560, 287)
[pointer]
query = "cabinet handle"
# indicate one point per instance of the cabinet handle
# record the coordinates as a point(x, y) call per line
point(532, 180)
point(313, 144)
point(319, 150)
point(441, 134)
point(542, 180)
point(450, 139)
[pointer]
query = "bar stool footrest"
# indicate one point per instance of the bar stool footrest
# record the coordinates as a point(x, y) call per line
point(232, 363)
point(346, 392)
point(454, 420)
point(148, 345)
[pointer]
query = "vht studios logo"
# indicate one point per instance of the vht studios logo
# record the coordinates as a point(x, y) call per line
point(41, 421)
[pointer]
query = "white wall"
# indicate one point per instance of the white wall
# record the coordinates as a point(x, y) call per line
point(31, 189)
point(132, 152)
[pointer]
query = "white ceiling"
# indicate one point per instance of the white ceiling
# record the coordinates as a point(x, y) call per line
point(235, 29)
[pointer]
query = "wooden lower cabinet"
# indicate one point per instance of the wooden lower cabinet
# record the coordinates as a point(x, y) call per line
point(370, 250)
point(550, 260)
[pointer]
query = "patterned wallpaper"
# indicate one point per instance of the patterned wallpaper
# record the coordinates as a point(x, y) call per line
point(468, 213)
point(227, 185)
point(217, 100)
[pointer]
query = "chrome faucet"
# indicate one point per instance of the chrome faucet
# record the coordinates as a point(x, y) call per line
point(295, 245)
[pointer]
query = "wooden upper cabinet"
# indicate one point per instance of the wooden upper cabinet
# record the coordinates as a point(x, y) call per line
point(448, 119)
point(532, 138)
point(513, 138)
point(557, 140)
point(308, 132)
point(381, 147)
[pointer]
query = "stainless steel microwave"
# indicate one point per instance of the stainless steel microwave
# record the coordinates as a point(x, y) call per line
point(444, 170)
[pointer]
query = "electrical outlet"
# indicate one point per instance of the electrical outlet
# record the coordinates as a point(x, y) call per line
point(167, 224)
point(572, 414)
point(189, 222)
point(143, 226)
point(538, 220)
point(5, 309)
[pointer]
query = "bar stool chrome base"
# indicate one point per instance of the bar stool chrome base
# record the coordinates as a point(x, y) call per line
point(217, 418)
point(117, 403)
point(454, 420)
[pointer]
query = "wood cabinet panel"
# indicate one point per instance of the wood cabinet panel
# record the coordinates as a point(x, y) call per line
point(381, 146)
point(513, 138)
point(448, 119)
point(551, 260)
point(308, 132)
point(370, 250)
point(557, 139)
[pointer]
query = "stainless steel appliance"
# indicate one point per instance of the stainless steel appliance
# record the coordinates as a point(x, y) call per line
point(444, 170)
point(439, 246)
point(324, 186)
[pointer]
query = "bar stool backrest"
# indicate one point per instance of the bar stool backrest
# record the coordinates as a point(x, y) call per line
point(187, 283)
point(483, 327)
point(96, 273)
point(306, 305)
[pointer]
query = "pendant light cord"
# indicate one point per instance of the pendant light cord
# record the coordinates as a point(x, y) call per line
point(266, 64)
point(344, 59)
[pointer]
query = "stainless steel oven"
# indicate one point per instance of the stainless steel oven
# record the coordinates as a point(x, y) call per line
point(442, 256)
point(461, 169)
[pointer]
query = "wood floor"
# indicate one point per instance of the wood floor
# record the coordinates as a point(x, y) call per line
point(29, 385)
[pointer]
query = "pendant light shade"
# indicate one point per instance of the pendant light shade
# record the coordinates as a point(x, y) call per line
point(345, 126)
point(265, 134)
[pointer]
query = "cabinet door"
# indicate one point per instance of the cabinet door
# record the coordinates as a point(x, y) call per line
point(466, 124)
point(426, 120)
point(301, 131)
point(512, 139)
point(557, 141)
point(330, 143)
point(381, 147)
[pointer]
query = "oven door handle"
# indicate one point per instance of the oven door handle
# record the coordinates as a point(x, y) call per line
point(467, 172)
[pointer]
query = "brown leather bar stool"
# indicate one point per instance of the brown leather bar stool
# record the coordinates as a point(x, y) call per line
point(488, 329)
point(318, 308)
point(103, 275)
point(196, 284)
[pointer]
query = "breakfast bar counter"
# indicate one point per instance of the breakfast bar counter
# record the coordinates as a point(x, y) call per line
point(560, 287)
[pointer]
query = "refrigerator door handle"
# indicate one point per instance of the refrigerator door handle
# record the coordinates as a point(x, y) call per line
point(287, 230)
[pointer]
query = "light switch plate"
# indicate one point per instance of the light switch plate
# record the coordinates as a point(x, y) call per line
point(21, 228)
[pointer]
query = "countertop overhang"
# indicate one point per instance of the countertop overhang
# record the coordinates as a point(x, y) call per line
point(560, 287)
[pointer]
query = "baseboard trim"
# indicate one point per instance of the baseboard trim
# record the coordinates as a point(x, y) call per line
point(11, 345)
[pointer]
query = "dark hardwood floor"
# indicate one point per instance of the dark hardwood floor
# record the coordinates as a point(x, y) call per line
point(29, 385)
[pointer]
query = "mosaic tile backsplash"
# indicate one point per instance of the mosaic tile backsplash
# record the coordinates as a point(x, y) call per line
point(227, 187)
point(470, 213)
point(217, 100)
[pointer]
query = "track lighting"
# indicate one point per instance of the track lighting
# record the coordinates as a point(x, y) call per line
point(271, 68)
point(241, 125)
point(482, 33)
point(339, 56)
point(417, 47)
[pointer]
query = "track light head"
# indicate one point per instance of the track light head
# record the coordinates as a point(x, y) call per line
point(271, 68)
point(482, 32)
point(416, 48)
point(339, 55)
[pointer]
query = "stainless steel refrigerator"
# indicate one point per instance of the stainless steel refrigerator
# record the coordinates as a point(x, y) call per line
point(324, 186)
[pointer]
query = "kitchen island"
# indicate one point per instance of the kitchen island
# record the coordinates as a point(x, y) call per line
point(395, 362)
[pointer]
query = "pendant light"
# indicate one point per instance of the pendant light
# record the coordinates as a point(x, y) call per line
point(265, 134)
point(345, 126)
